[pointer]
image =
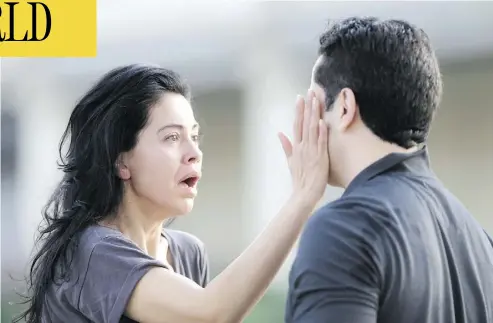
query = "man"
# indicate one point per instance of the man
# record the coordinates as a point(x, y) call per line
point(397, 247)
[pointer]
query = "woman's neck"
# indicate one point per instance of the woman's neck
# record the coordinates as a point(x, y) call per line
point(141, 222)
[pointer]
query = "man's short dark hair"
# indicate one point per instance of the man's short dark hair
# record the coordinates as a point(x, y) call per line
point(392, 70)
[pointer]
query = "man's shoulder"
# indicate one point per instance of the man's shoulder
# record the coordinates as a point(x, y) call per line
point(342, 236)
point(358, 211)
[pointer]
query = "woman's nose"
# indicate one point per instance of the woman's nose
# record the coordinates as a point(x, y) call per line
point(193, 155)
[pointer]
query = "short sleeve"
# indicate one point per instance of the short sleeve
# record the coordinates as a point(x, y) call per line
point(204, 266)
point(335, 275)
point(114, 268)
point(489, 238)
point(193, 261)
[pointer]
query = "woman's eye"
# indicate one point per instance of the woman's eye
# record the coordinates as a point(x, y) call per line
point(173, 137)
point(197, 137)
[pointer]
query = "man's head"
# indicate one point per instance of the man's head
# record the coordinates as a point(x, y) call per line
point(380, 84)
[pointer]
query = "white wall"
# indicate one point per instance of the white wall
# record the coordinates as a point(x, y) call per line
point(461, 141)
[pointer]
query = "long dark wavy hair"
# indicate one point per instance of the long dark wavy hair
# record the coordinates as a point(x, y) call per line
point(105, 123)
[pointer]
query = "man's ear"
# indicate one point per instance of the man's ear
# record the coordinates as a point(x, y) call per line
point(347, 108)
point(121, 167)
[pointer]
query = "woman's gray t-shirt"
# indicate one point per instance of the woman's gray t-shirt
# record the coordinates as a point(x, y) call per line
point(105, 270)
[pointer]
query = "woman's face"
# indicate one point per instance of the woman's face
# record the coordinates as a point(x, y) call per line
point(164, 167)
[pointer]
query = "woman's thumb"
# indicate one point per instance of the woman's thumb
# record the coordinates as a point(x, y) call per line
point(286, 144)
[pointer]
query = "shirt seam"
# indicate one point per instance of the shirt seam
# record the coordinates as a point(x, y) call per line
point(85, 277)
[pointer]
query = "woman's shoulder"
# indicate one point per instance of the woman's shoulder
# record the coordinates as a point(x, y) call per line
point(108, 266)
point(98, 241)
point(190, 254)
point(97, 234)
point(185, 241)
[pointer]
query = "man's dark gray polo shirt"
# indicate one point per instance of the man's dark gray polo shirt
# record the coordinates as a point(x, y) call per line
point(397, 247)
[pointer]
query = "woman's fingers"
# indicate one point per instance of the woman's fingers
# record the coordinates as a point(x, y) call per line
point(298, 124)
point(322, 137)
point(307, 117)
point(309, 127)
point(314, 122)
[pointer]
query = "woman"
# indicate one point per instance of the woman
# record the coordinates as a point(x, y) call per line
point(133, 162)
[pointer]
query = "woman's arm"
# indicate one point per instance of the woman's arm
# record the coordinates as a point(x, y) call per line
point(163, 296)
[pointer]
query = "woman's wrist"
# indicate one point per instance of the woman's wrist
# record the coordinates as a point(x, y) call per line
point(302, 201)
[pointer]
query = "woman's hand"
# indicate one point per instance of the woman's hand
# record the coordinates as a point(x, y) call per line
point(307, 155)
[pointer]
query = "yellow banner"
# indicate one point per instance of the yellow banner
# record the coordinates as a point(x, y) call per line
point(49, 28)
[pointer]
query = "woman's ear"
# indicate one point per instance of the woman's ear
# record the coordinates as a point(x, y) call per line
point(122, 169)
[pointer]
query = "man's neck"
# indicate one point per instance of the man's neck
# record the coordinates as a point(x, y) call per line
point(357, 160)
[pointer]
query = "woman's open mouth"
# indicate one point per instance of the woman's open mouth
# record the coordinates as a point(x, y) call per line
point(190, 181)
